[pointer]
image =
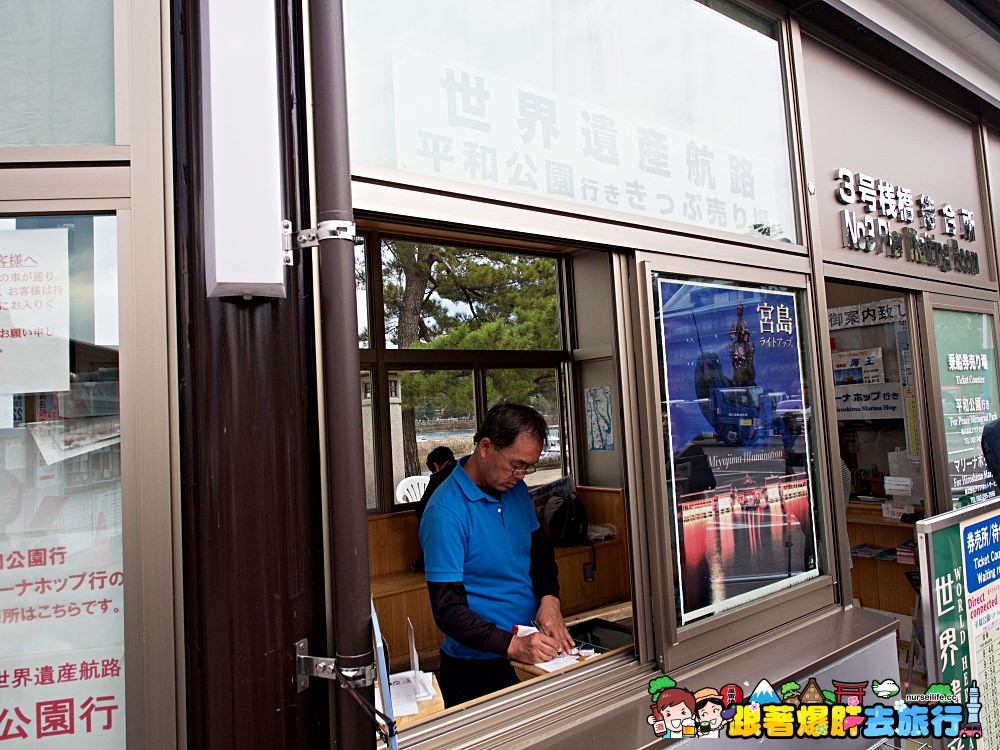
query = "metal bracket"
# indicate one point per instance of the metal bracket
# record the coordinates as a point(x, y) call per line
point(326, 668)
point(340, 230)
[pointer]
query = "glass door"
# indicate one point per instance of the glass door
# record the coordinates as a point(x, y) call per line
point(963, 372)
point(876, 393)
point(62, 680)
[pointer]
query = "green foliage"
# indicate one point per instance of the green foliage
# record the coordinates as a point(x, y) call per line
point(658, 684)
point(939, 688)
point(788, 687)
point(468, 299)
point(437, 393)
point(451, 298)
point(831, 697)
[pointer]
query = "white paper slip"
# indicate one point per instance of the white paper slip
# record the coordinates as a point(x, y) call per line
point(559, 662)
point(404, 697)
point(422, 682)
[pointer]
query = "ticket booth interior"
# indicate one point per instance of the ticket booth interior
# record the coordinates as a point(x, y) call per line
point(449, 327)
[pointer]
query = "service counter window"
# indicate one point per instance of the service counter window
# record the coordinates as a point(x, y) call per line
point(876, 397)
point(739, 442)
point(448, 331)
point(879, 426)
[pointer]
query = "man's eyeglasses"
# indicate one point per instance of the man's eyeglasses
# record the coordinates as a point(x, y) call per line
point(517, 472)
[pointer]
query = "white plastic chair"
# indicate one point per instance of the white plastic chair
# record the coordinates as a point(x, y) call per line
point(411, 489)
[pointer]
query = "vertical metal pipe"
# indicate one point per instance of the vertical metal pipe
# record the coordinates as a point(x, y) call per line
point(338, 328)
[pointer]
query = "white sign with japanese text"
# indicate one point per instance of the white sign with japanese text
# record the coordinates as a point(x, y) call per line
point(484, 128)
point(34, 310)
point(869, 401)
point(62, 683)
point(867, 314)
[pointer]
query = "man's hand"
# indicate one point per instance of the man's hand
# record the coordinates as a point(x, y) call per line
point(532, 649)
point(550, 620)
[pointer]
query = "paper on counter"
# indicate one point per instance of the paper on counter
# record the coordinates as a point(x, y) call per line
point(559, 662)
point(422, 682)
point(404, 697)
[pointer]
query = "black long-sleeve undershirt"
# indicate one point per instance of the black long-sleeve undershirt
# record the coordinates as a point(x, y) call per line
point(450, 603)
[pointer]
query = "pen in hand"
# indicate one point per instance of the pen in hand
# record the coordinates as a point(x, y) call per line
point(542, 631)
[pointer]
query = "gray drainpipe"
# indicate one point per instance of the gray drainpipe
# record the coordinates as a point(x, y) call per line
point(338, 328)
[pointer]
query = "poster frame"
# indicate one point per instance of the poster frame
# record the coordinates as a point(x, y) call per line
point(678, 645)
point(795, 288)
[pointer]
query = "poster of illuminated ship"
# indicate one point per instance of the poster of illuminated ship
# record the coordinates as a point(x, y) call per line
point(737, 434)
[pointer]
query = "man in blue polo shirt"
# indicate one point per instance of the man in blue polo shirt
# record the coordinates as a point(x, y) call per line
point(487, 564)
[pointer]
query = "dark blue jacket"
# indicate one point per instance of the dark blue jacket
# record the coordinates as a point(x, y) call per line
point(991, 447)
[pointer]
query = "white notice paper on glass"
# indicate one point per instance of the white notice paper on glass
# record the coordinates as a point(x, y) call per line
point(34, 310)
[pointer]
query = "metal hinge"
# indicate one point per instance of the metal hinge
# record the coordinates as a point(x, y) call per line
point(326, 668)
point(287, 257)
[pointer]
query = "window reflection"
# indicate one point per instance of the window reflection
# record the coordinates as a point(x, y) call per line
point(367, 424)
point(361, 295)
point(57, 74)
point(970, 397)
point(539, 388)
point(444, 297)
point(435, 409)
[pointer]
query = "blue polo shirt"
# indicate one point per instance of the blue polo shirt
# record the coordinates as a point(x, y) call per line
point(471, 538)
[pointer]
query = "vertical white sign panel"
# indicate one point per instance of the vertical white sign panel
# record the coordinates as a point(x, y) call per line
point(242, 149)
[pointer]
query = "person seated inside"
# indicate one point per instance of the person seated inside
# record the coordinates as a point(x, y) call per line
point(488, 566)
point(440, 461)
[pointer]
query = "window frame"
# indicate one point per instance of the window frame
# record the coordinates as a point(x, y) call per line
point(380, 360)
point(679, 646)
point(120, 150)
point(927, 303)
point(148, 481)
